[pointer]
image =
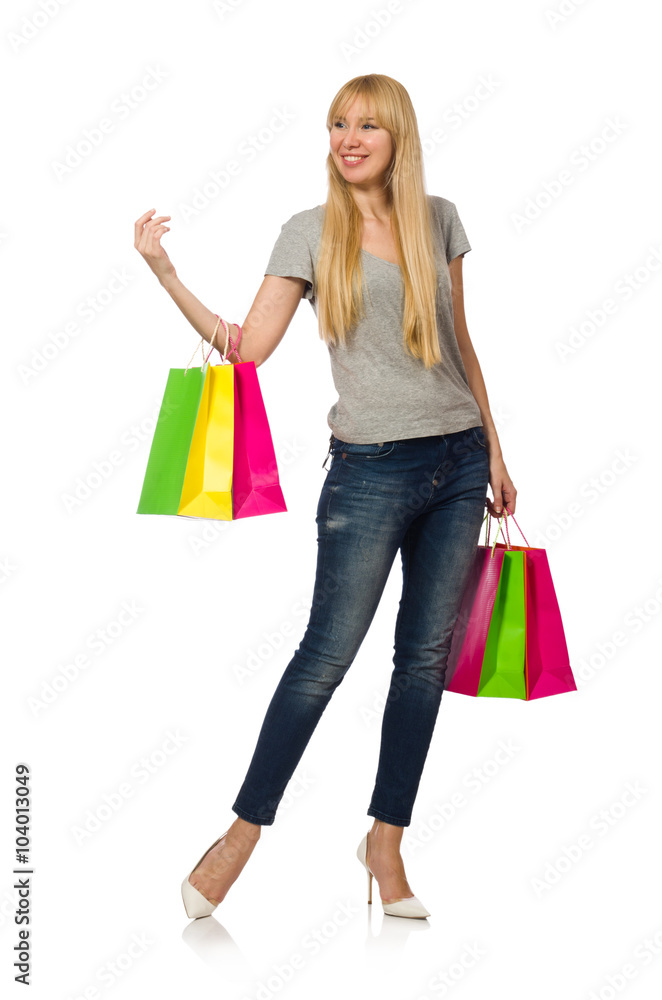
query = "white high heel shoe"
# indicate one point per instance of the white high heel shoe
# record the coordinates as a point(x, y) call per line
point(195, 904)
point(410, 906)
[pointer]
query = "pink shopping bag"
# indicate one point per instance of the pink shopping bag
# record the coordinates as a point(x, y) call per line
point(255, 484)
point(548, 669)
point(465, 659)
point(546, 666)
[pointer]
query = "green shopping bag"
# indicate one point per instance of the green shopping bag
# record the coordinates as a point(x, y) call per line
point(503, 673)
point(168, 457)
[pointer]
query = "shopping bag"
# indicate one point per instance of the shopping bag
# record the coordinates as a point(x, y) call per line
point(503, 674)
point(212, 454)
point(207, 487)
point(548, 669)
point(465, 659)
point(256, 487)
point(508, 640)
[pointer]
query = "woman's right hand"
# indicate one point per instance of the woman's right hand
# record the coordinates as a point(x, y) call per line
point(148, 233)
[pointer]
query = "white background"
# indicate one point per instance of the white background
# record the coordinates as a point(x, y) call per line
point(580, 436)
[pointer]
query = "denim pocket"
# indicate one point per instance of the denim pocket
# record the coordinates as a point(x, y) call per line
point(478, 435)
point(380, 450)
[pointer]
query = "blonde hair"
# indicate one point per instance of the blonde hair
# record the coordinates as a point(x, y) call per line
point(340, 278)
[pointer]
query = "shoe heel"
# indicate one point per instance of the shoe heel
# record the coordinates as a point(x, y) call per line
point(409, 907)
point(361, 853)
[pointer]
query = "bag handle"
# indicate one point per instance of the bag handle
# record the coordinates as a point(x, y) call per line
point(199, 344)
point(234, 350)
point(224, 354)
point(488, 527)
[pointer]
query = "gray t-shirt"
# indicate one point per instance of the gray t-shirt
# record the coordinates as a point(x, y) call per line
point(385, 394)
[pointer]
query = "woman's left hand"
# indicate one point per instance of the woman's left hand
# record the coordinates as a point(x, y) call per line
point(504, 492)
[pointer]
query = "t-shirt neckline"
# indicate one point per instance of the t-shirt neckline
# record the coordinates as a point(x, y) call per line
point(374, 256)
point(383, 259)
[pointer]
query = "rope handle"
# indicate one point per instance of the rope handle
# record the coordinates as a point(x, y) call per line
point(234, 345)
point(224, 354)
point(488, 527)
point(199, 344)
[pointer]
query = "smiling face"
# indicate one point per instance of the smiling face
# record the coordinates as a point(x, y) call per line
point(361, 147)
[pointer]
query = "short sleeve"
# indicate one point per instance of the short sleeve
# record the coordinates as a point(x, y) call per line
point(454, 237)
point(291, 256)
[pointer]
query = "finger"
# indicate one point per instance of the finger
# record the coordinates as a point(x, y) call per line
point(139, 223)
point(142, 227)
point(156, 237)
point(154, 227)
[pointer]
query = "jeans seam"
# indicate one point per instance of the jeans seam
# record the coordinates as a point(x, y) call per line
point(387, 818)
point(250, 818)
point(406, 543)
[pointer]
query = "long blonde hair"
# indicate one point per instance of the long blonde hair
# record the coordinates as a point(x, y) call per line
point(340, 278)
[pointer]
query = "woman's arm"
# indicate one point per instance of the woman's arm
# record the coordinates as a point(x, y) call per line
point(265, 325)
point(268, 318)
point(501, 483)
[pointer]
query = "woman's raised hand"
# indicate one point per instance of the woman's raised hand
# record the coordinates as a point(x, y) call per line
point(148, 233)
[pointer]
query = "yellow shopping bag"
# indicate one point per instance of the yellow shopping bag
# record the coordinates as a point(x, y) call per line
point(207, 487)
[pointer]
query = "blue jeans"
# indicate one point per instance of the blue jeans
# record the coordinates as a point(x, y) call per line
point(425, 496)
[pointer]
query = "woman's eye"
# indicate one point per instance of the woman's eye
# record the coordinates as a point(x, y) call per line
point(365, 123)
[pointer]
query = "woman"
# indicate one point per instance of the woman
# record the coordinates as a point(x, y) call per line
point(413, 449)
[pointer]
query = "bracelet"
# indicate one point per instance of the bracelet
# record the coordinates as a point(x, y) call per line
point(226, 354)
